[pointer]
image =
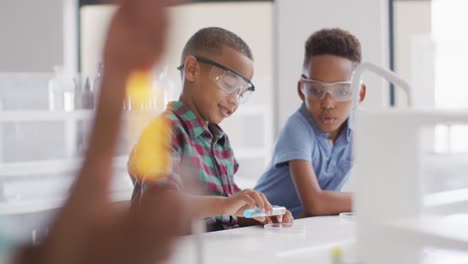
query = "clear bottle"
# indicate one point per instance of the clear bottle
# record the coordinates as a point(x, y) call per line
point(77, 91)
point(87, 96)
point(61, 91)
point(95, 88)
point(55, 96)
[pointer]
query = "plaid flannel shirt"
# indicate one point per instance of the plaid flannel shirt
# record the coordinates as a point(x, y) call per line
point(202, 153)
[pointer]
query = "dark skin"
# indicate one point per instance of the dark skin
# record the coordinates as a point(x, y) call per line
point(202, 95)
point(212, 105)
point(330, 116)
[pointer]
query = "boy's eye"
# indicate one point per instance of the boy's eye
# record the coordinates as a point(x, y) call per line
point(315, 91)
point(343, 92)
point(228, 86)
point(229, 82)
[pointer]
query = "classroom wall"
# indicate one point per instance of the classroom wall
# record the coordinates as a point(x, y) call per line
point(36, 35)
point(31, 33)
point(255, 28)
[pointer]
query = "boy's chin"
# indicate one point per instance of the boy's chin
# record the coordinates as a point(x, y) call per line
point(329, 128)
point(216, 120)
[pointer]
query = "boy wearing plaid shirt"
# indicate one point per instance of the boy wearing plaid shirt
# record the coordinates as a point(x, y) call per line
point(216, 69)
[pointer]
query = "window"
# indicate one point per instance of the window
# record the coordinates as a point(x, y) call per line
point(430, 52)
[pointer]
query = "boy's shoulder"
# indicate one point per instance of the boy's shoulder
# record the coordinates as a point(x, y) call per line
point(171, 116)
point(176, 122)
point(183, 123)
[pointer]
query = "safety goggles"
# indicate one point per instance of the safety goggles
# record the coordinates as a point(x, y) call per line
point(340, 91)
point(228, 80)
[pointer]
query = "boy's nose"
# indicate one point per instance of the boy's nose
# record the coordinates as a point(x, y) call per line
point(328, 102)
point(233, 99)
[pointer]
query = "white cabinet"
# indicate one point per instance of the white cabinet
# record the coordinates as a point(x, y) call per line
point(38, 166)
point(41, 150)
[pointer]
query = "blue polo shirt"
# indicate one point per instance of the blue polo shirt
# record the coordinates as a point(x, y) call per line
point(301, 139)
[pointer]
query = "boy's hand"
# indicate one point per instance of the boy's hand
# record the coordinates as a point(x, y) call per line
point(286, 218)
point(246, 199)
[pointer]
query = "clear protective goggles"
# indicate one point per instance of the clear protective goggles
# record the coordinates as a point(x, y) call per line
point(340, 91)
point(228, 80)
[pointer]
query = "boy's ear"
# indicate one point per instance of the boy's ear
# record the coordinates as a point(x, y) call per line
point(191, 68)
point(299, 91)
point(362, 93)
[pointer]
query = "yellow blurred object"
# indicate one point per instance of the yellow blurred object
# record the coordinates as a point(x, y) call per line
point(336, 253)
point(139, 90)
point(141, 95)
point(151, 158)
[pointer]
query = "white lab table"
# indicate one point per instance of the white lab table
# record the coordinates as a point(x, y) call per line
point(310, 240)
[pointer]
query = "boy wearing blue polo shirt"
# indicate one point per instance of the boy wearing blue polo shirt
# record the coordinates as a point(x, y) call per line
point(312, 156)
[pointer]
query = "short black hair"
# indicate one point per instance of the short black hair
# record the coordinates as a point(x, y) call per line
point(212, 40)
point(333, 41)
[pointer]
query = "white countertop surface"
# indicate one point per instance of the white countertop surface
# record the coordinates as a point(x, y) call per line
point(310, 240)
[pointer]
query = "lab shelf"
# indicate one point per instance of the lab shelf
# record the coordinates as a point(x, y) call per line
point(31, 168)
